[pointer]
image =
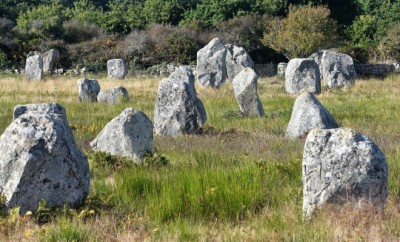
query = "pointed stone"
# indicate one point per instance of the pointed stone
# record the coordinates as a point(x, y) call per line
point(236, 60)
point(302, 75)
point(342, 166)
point(130, 135)
point(183, 73)
point(178, 110)
point(211, 64)
point(245, 89)
point(308, 113)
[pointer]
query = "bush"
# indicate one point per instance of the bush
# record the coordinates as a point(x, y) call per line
point(75, 32)
point(389, 46)
point(305, 30)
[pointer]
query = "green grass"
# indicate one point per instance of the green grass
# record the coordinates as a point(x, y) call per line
point(240, 179)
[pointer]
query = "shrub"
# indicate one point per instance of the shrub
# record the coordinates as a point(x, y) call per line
point(389, 46)
point(75, 32)
point(305, 30)
point(134, 47)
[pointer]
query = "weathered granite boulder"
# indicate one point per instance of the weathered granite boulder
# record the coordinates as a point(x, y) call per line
point(337, 69)
point(340, 166)
point(88, 90)
point(236, 60)
point(302, 75)
point(245, 89)
point(39, 160)
point(308, 113)
point(317, 56)
point(129, 135)
point(113, 95)
point(117, 68)
point(50, 59)
point(183, 73)
point(48, 108)
point(178, 110)
point(211, 64)
point(34, 68)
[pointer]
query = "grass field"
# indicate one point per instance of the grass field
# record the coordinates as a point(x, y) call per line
point(239, 180)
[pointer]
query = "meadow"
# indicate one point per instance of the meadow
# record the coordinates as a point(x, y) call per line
point(238, 179)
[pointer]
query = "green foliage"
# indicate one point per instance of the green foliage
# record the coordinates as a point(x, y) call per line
point(390, 45)
point(306, 30)
point(84, 11)
point(66, 231)
point(75, 32)
point(43, 21)
point(4, 61)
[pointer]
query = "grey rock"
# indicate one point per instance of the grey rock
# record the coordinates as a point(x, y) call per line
point(317, 56)
point(236, 60)
point(129, 135)
point(114, 95)
point(282, 69)
point(39, 160)
point(50, 59)
point(88, 90)
point(342, 166)
point(211, 64)
point(178, 110)
point(34, 68)
point(302, 75)
point(183, 73)
point(33, 52)
point(245, 89)
point(117, 68)
point(49, 108)
point(338, 69)
point(308, 113)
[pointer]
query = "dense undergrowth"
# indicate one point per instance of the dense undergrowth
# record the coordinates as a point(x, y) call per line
point(238, 179)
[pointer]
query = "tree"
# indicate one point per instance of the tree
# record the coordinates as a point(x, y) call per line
point(306, 30)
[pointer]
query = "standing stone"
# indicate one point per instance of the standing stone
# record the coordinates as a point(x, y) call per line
point(317, 56)
point(211, 64)
point(183, 73)
point(282, 68)
point(129, 135)
point(39, 160)
point(114, 95)
point(339, 166)
point(49, 108)
point(116, 68)
point(308, 113)
point(50, 59)
point(178, 110)
point(245, 89)
point(34, 68)
point(88, 90)
point(302, 75)
point(236, 60)
point(338, 69)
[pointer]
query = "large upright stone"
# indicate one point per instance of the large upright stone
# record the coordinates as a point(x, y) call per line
point(114, 95)
point(211, 64)
point(178, 110)
point(34, 68)
point(245, 89)
point(50, 59)
point(88, 90)
point(308, 113)
point(129, 135)
point(117, 68)
point(39, 160)
point(183, 73)
point(337, 69)
point(340, 166)
point(317, 56)
point(302, 75)
point(48, 108)
point(236, 60)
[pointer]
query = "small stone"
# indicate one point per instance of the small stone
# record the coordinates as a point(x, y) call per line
point(308, 113)
point(88, 90)
point(114, 95)
point(129, 135)
point(117, 68)
point(302, 75)
point(245, 89)
point(342, 166)
point(34, 68)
